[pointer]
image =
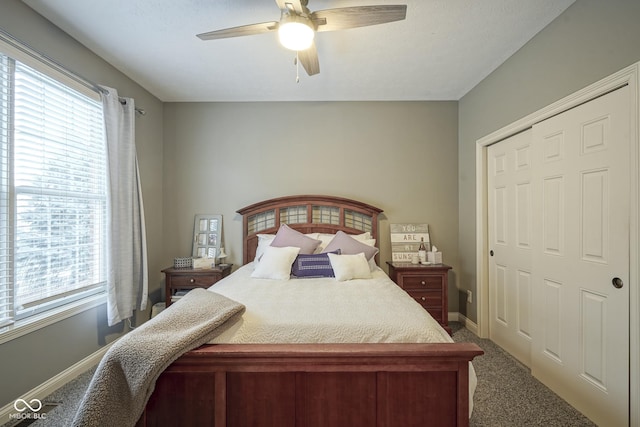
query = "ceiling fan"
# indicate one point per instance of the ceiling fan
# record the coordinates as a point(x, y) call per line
point(298, 25)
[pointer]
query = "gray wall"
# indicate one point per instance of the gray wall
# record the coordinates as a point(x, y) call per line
point(28, 361)
point(589, 41)
point(399, 156)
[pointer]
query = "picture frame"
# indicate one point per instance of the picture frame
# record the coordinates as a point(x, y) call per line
point(207, 235)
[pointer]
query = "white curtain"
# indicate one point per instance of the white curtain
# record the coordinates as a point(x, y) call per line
point(127, 275)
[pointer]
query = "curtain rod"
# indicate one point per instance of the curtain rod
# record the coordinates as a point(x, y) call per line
point(27, 49)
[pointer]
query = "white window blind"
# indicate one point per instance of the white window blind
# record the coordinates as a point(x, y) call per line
point(6, 280)
point(53, 201)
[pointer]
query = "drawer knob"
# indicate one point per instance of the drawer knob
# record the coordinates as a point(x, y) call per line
point(423, 298)
point(192, 280)
point(423, 282)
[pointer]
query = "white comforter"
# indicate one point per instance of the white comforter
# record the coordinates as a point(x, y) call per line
point(324, 310)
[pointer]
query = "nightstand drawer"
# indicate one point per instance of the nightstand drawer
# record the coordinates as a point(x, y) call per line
point(410, 282)
point(427, 299)
point(178, 282)
point(189, 278)
point(436, 313)
point(427, 284)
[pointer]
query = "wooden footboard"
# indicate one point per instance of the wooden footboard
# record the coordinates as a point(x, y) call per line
point(308, 385)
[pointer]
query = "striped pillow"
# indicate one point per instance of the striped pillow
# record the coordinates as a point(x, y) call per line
point(313, 265)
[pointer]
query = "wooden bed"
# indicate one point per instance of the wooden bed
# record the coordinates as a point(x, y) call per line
point(307, 385)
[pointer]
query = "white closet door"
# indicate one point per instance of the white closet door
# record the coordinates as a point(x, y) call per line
point(510, 237)
point(580, 345)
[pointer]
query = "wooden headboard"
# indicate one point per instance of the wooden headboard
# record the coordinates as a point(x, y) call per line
point(307, 214)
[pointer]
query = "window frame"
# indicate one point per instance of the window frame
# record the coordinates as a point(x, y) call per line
point(66, 305)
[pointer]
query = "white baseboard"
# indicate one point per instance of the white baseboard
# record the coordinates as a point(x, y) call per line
point(459, 317)
point(45, 389)
point(469, 324)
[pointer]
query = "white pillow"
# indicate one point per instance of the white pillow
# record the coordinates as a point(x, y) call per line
point(364, 236)
point(264, 241)
point(347, 267)
point(276, 263)
point(372, 261)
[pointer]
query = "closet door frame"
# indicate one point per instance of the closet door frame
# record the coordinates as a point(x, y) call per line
point(629, 76)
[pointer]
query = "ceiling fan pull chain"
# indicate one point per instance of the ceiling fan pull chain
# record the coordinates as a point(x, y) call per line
point(297, 68)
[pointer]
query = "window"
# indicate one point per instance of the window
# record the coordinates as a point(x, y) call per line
point(53, 192)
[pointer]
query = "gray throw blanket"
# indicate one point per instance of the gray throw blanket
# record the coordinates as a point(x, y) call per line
point(126, 375)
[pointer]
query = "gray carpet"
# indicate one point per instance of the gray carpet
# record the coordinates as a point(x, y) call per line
point(507, 394)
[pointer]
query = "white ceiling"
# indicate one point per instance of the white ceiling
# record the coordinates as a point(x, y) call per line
point(441, 51)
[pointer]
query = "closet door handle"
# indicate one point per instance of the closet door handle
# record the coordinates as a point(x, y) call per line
point(617, 282)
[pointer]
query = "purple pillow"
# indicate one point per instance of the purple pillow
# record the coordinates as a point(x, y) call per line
point(314, 265)
point(287, 236)
point(350, 246)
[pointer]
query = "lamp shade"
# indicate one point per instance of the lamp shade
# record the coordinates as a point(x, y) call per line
point(295, 32)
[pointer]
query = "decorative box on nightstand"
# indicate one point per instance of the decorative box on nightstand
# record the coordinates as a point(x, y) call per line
point(427, 284)
point(177, 279)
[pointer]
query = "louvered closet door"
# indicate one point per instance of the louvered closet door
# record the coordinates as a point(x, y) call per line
point(580, 345)
point(510, 234)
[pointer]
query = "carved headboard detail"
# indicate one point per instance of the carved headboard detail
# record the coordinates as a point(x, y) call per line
point(307, 214)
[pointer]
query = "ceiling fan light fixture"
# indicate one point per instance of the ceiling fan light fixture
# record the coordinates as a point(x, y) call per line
point(295, 32)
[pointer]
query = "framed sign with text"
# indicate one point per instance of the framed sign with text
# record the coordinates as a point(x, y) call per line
point(405, 240)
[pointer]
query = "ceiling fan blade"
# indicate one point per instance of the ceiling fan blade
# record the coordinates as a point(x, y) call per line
point(309, 60)
point(244, 30)
point(357, 16)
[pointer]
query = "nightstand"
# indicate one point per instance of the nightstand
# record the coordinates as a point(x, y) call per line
point(427, 284)
point(189, 278)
